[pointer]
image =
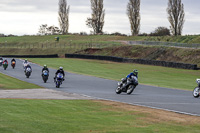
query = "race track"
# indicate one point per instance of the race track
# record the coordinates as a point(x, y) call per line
point(155, 97)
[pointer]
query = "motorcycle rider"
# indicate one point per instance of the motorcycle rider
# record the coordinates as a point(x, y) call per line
point(60, 70)
point(45, 68)
point(134, 73)
point(25, 64)
point(28, 66)
point(13, 60)
point(5, 61)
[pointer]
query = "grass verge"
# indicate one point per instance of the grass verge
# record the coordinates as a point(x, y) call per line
point(83, 116)
point(150, 75)
point(7, 82)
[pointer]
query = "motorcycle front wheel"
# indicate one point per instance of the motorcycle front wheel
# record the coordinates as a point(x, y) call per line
point(130, 89)
point(45, 79)
point(118, 90)
point(196, 92)
point(57, 84)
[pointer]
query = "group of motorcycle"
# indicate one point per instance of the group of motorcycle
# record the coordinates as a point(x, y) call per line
point(58, 79)
point(5, 63)
point(28, 70)
point(45, 75)
point(125, 85)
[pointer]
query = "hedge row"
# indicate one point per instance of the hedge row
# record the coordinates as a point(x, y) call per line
point(139, 61)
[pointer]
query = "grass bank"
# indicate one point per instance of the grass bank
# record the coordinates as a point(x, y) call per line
point(182, 55)
point(96, 38)
point(7, 82)
point(79, 116)
point(150, 75)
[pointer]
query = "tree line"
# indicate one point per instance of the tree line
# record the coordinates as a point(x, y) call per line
point(175, 11)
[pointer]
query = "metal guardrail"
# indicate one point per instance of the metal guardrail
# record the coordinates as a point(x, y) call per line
point(167, 44)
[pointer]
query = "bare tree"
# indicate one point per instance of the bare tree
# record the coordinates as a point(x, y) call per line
point(96, 22)
point(176, 16)
point(63, 16)
point(43, 29)
point(133, 12)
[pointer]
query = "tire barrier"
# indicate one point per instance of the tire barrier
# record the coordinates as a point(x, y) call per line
point(30, 56)
point(138, 61)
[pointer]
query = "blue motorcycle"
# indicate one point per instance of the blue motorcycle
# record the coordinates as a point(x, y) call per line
point(59, 80)
point(45, 75)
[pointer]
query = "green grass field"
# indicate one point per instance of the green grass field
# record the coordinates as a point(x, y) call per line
point(149, 75)
point(7, 82)
point(82, 116)
point(96, 38)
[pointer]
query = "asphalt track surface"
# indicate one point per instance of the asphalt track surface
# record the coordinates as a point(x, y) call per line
point(155, 97)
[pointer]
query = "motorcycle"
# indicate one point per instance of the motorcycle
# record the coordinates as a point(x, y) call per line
point(196, 91)
point(13, 64)
point(45, 75)
point(127, 85)
point(5, 65)
point(59, 79)
point(28, 72)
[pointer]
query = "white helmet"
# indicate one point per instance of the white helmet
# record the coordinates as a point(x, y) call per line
point(61, 68)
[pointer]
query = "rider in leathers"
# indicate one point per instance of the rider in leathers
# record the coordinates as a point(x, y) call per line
point(60, 70)
point(134, 73)
point(45, 68)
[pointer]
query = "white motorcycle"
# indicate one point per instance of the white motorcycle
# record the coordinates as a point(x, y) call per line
point(196, 91)
point(28, 72)
point(45, 75)
point(127, 85)
point(1, 61)
point(58, 80)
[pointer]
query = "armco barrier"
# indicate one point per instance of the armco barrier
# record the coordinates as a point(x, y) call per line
point(139, 61)
point(30, 56)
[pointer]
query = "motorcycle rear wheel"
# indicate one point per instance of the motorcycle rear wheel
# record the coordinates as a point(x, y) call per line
point(196, 92)
point(130, 89)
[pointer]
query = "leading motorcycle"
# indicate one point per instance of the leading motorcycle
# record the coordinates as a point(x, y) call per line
point(59, 79)
point(127, 85)
point(196, 91)
point(45, 75)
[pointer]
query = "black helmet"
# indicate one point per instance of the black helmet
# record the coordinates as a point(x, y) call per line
point(135, 72)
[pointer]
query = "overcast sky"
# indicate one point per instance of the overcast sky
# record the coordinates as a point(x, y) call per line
point(21, 17)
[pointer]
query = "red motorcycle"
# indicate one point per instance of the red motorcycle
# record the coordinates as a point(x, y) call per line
point(13, 64)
